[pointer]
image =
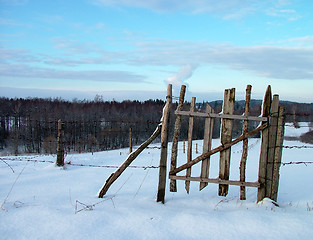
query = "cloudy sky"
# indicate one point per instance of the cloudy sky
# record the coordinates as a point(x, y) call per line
point(131, 49)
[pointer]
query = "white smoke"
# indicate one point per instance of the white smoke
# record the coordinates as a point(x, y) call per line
point(179, 78)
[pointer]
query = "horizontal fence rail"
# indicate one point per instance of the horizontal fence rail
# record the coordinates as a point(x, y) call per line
point(220, 115)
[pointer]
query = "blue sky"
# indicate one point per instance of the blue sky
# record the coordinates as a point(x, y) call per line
point(131, 49)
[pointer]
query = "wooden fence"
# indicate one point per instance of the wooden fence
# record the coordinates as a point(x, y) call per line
point(272, 133)
point(272, 128)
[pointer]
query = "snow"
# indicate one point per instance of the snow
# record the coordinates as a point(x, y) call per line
point(297, 132)
point(48, 202)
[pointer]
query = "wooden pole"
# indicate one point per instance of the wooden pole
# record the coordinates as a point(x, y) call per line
point(173, 187)
point(207, 144)
point(128, 161)
point(189, 150)
point(278, 152)
point(226, 137)
point(60, 146)
point(184, 147)
point(164, 145)
point(245, 145)
point(272, 133)
point(264, 145)
point(130, 141)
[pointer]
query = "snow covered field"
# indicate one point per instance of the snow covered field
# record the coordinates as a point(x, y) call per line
point(47, 202)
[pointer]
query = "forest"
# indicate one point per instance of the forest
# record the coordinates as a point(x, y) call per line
point(30, 125)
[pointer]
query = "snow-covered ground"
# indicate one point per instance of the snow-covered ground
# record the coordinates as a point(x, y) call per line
point(47, 202)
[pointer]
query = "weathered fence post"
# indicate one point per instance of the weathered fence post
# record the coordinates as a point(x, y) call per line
point(272, 132)
point(173, 187)
point(278, 152)
point(245, 145)
point(207, 143)
point(226, 137)
point(264, 145)
point(189, 149)
point(271, 150)
point(164, 145)
point(60, 146)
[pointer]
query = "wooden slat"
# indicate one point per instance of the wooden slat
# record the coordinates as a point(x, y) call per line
point(217, 180)
point(207, 144)
point(245, 145)
point(264, 144)
point(189, 150)
point(173, 187)
point(218, 149)
point(226, 137)
point(164, 145)
point(221, 115)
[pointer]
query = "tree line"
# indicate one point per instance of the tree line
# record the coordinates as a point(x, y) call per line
point(30, 125)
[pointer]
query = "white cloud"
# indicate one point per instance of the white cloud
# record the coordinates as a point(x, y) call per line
point(17, 55)
point(13, 23)
point(302, 41)
point(187, 6)
point(289, 14)
point(267, 61)
point(14, 2)
point(25, 71)
point(227, 9)
point(71, 47)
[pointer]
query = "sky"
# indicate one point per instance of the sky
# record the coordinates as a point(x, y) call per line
point(132, 49)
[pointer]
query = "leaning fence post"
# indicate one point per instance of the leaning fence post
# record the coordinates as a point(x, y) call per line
point(60, 146)
point(173, 187)
point(131, 157)
point(164, 144)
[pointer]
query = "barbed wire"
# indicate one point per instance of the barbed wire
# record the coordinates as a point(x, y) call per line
point(74, 164)
point(293, 126)
point(298, 114)
point(112, 166)
point(55, 121)
point(299, 147)
point(290, 163)
point(153, 147)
